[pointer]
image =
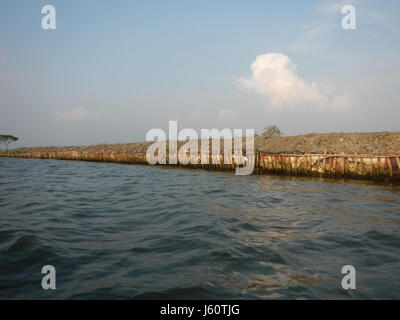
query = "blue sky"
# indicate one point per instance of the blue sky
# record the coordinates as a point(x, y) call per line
point(111, 71)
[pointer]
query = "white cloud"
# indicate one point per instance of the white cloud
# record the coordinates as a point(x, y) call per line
point(274, 77)
point(77, 114)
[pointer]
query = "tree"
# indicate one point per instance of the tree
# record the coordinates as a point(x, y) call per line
point(7, 139)
point(272, 131)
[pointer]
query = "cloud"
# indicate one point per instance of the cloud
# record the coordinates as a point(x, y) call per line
point(77, 114)
point(274, 77)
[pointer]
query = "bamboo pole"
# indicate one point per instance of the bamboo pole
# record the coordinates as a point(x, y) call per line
point(390, 167)
point(362, 166)
point(257, 162)
point(356, 160)
point(378, 171)
point(334, 165)
point(318, 163)
point(306, 160)
point(264, 163)
point(344, 166)
point(372, 168)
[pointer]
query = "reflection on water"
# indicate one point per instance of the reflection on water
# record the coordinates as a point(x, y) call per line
point(120, 231)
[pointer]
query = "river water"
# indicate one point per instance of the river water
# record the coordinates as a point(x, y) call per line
point(124, 231)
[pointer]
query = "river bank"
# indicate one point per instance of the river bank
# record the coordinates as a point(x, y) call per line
point(371, 156)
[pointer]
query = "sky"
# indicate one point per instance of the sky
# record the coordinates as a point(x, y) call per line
point(113, 70)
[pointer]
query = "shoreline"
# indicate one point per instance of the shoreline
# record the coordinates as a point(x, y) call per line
point(357, 167)
point(371, 156)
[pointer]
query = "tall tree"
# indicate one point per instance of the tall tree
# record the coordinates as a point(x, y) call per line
point(7, 139)
point(272, 131)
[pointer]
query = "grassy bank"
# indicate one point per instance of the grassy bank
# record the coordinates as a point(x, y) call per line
point(371, 143)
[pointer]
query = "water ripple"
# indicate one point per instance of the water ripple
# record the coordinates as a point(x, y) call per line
point(136, 232)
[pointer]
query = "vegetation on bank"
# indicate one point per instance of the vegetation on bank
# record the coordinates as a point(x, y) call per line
point(370, 143)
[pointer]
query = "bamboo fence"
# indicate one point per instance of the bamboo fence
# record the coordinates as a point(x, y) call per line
point(386, 168)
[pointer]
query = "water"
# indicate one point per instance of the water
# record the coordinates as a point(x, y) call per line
point(123, 231)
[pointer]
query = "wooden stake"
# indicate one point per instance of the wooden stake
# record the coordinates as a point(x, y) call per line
point(372, 167)
point(344, 164)
point(306, 159)
point(390, 166)
point(356, 160)
point(379, 165)
point(334, 165)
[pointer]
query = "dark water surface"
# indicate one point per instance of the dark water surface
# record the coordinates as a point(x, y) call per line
point(124, 231)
